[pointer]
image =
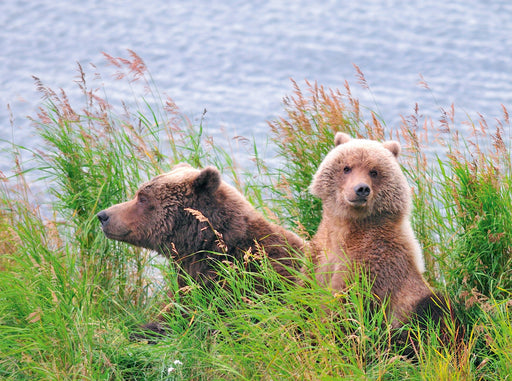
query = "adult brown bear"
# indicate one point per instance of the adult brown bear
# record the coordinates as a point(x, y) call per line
point(187, 214)
point(194, 218)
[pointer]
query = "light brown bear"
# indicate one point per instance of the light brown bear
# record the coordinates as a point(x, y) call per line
point(366, 225)
point(188, 214)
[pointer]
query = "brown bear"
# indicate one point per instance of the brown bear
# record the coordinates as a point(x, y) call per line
point(366, 226)
point(188, 214)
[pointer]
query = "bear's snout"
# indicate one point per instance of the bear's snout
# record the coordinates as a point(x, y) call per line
point(362, 190)
point(103, 217)
point(114, 225)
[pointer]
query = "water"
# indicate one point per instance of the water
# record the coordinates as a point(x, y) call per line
point(236, 58)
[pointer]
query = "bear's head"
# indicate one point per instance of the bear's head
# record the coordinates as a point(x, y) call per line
point(179, 213)
point(362, 179)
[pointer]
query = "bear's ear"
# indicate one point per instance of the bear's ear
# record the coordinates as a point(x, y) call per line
point(341, 138)
point(208, 180)
point(393, 146)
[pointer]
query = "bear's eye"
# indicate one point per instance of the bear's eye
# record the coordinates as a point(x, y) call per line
point(347, 169)
point(373, 173)
point(142, 198)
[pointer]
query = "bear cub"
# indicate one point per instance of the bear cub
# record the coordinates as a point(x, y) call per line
point(366, 227)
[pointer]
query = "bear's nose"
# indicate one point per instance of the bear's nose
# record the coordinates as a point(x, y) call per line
point(103, 217)
point(362, 190)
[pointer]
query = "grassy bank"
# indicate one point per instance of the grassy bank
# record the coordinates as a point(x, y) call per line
point(70, 298)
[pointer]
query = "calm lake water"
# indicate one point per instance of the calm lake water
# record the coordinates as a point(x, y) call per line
point(236, 58)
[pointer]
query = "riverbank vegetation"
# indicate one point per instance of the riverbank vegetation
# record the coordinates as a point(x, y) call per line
point(70, 300)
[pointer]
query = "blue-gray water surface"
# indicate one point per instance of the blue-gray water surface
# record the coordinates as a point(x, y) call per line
point(235, 58)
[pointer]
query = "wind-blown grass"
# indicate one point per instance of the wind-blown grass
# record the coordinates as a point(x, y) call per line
point(70, 299)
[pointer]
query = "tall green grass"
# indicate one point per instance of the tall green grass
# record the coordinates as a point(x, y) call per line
point(70, 299)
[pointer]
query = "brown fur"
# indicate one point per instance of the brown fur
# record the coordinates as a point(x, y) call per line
point(366, 225)
point(186, 214)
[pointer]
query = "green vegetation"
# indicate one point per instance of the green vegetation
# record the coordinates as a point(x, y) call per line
point(70, 299)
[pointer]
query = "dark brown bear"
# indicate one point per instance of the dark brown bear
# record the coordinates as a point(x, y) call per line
point(187, 214)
